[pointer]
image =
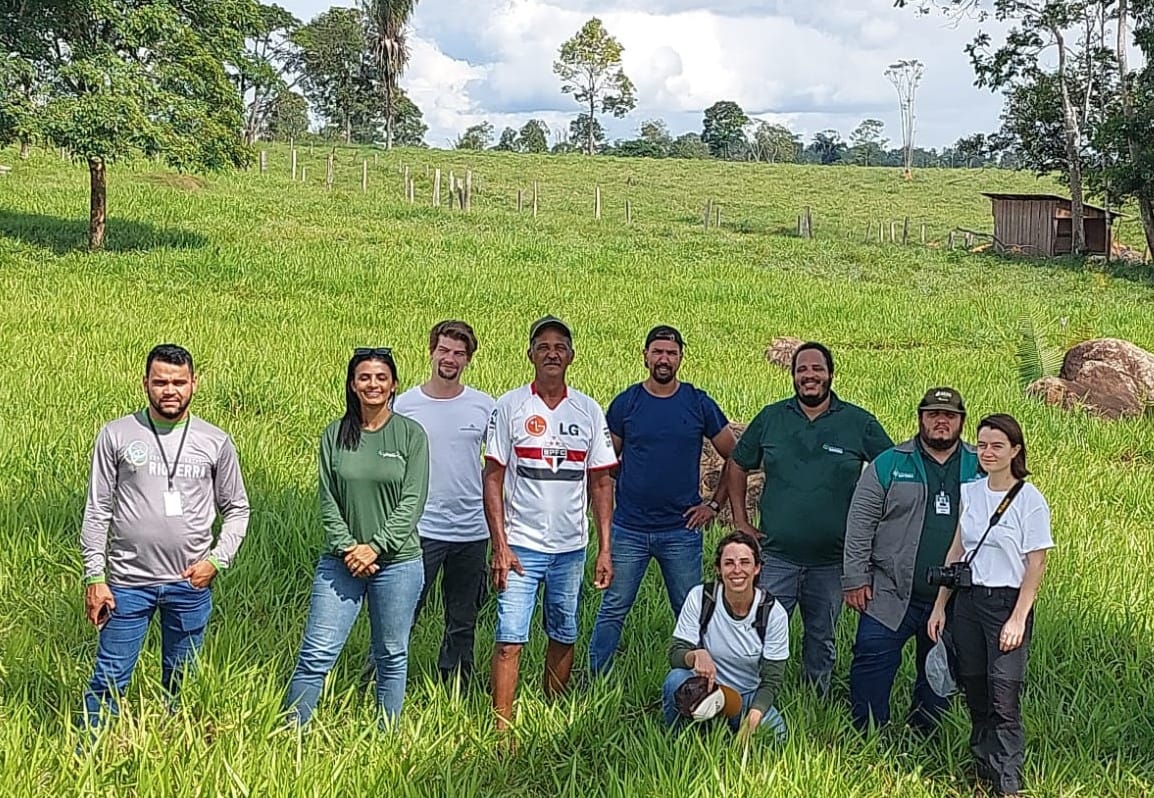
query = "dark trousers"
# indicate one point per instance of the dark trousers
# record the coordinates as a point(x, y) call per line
point(464, 571)
point(877, 655)
point(992, 681)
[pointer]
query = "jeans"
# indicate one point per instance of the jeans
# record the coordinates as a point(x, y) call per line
point(561, 575)
point(464, 574)
point(877, 655)
point(992, 682)
point(184, 612)
point(816, 589)
point(772, 719)
point(678, 553)
point(392, 594)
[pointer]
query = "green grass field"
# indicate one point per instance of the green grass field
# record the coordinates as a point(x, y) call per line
point(270, 283)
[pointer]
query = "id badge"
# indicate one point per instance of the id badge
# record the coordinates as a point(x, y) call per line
point(942, 503)
point(173, 505)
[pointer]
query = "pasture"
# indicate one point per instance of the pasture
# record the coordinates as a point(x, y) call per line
point(270, 283)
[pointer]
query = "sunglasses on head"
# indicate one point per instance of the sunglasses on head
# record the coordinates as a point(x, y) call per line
point(373, 351)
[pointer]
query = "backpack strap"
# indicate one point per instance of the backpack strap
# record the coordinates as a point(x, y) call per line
point(708, 605)
point(761, 620)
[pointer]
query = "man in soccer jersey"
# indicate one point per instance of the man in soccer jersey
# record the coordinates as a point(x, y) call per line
point(548, 455)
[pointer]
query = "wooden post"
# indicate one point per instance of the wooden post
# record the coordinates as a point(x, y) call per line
point(628, 212)
point(412, 189)
point(893, 231)
point(426, 170)
point(375, 160)
point(364, 175)
point(534, 199)
point(520, 200)
point(304, 171)
point(800, 226)
point(329, 172)
point(969, 240)
point(950, 240)
point(717, 218)
point(923, 232)
point(294, 162)
point(263, 161)
point(808, 222)
point(869, 231)
point(708, 213)
point(597, 202)
point(461, 196)
point(468, 189)
point(437, 188)
point(452, 191)
point(63, 154)
point(906, 231)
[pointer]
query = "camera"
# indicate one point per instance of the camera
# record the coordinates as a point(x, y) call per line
point(954, 576)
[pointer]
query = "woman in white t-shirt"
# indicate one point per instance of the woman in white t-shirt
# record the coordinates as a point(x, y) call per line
point(743, 646)
point(991, 621)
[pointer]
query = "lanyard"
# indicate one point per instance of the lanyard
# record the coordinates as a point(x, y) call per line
point(169, 470)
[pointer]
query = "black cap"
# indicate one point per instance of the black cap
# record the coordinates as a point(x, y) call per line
point(549, 321)
point(663, 332)
point(943, 399)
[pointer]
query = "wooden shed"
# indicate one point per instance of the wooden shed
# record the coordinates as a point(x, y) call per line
point(1040, 224)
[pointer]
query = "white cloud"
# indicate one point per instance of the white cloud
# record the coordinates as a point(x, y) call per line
point(810, 64)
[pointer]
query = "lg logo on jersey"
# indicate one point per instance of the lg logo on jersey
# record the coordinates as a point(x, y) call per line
point(570, 429)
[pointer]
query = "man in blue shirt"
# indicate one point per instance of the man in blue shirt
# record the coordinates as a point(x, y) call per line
point(658, 427)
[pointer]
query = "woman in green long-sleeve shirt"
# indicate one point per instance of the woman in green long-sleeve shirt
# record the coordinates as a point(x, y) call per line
point(373, 476)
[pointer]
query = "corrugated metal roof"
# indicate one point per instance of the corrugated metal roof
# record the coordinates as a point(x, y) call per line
point(1043, 198)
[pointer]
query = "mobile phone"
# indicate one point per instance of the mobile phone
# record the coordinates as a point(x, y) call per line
point(102, 616)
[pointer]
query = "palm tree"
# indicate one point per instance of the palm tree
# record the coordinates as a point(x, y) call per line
point(386, 21)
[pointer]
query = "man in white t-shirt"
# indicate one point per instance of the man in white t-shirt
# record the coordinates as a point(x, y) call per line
point(454, 537)
point(548, 456)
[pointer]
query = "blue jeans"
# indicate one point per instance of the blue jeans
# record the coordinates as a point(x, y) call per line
point(561, 575)
point(184, 612)
point(877, 655)
point(678, 553)
point(392, 594)
point(816, 589)
point(772, 719)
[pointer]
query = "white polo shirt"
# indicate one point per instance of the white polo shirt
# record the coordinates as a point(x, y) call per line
point(547, 454)
point(456, 429)
point(1025, 527)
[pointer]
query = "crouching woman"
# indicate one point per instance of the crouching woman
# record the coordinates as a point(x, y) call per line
point(732, 634)
point(1001, 544)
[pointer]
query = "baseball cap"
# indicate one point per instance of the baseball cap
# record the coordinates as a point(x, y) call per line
point(549, 321)
point(696, 700)
point(663, 332)
point(942, 399)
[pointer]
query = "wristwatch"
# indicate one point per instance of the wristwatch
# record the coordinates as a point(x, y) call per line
point(712, 505)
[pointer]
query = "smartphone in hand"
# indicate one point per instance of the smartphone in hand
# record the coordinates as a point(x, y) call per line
point(102, 616)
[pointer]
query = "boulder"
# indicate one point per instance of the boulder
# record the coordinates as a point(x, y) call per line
point(711, 464)
point(1109, 377)
point(780, 352)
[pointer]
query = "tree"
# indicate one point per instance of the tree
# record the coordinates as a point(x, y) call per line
point(867, 146)
point(269, 58)
point(587, 129)
point(386, 36)
point(333, 70)
point(655, 133)
point(508, 140)
point(723, 130)
point(906, 75)
point(774, 143)
point(287, 117)
point(475, 137)
point(20, 101)
point(827, 147)
point(589, 66)
point(125, 77)
point(689, 146)
point(972, 150)
point(1134, 175)
point(409, 126)
point(534, 137)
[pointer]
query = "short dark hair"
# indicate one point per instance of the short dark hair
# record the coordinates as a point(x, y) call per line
point(815, 346)
point(1009, 426)
point(349, 435)
point(171, 354)
point(456, 330)
point(744, 539)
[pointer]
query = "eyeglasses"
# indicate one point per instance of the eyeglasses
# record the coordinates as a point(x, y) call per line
point(373, 351)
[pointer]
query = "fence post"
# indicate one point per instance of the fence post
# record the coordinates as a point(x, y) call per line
point(906, 231)
point(628, 212)
point(468, 189)
point(950, 240)
point(329, 172)
point(304, 171)
point(534, 199)
point(520, 200)
point(294, 162)
point(808, 222)
point(364, 175)
point(597, 202)
point(923, 232)
point(708, 213)
point(263, 161)
point(437, 188)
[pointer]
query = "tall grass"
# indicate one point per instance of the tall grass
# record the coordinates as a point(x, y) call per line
point(271, 283)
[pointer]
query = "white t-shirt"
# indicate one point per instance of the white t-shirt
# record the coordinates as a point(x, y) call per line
point(1025, 527)
point(547, 455)
point(456, 428)
point(734, 645)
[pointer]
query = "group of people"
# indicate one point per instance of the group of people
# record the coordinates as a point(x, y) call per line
point(845, 517)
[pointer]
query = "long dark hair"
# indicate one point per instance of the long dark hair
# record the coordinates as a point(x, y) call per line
point(1009, 426)
point(349, 436)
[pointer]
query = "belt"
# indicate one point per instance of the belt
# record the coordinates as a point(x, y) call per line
point(989, 592)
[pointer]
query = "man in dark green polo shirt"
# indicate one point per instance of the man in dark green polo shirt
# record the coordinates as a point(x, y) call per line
point(812, 447)
point(901, 521)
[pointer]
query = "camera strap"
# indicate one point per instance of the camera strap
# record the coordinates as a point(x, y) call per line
point(995, 518)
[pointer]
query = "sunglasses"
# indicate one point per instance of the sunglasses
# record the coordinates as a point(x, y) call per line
point(373, 351)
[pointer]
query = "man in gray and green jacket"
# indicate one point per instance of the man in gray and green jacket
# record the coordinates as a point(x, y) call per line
point(901, 521)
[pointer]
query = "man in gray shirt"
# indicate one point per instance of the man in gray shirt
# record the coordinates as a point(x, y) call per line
point(159, 478)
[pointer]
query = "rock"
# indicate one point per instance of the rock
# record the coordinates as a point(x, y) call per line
point(711, 464)
point(1109, 377)
point(780, 352)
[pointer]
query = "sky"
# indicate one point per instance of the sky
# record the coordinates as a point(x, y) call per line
point(808, 64)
